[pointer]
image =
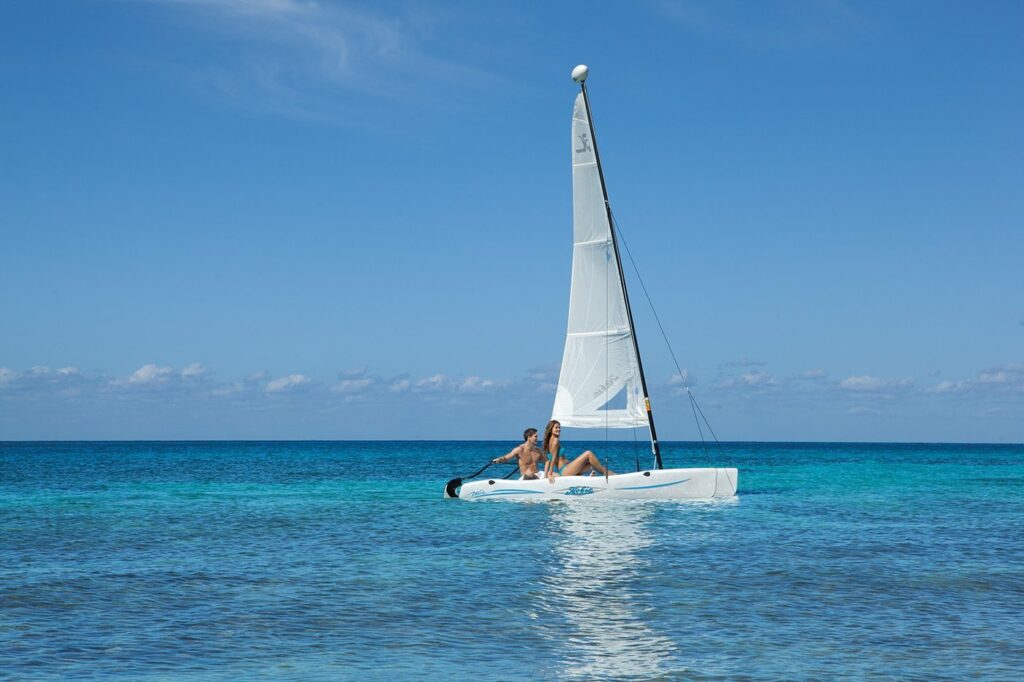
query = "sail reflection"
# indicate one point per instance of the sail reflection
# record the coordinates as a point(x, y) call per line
point(599, 593)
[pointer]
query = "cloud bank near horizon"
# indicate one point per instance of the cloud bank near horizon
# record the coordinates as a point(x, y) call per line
point(40, 402)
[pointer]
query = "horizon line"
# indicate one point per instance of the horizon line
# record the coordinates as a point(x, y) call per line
point(494, 440)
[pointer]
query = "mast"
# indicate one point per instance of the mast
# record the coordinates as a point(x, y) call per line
point(579, 74)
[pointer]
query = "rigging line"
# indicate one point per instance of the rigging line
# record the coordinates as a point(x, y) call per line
point(717, 442)
point(693, 404)
point(643, 287)
point(607, 340)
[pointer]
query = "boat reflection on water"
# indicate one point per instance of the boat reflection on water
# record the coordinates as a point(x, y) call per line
point(600, 591)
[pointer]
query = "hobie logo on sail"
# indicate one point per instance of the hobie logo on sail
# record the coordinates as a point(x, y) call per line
point(603, 388)
point(585, 145)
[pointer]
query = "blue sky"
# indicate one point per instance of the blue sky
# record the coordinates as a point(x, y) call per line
point(285, 219)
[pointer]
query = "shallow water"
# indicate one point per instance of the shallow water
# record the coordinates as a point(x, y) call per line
point(341, 560)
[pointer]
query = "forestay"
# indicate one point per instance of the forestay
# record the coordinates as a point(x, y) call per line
point(599, 384)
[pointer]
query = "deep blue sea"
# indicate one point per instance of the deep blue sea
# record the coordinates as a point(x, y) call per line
point(341, 560)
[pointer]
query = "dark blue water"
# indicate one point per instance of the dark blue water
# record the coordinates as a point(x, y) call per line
point(342, 561)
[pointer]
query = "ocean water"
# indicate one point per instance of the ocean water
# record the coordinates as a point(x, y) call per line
point(341, 560)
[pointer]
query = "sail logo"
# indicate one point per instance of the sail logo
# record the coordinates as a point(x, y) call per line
point(603, 388)
point(584, 144)
point(579, 490)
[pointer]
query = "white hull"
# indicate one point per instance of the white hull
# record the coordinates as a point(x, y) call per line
point(663, 484)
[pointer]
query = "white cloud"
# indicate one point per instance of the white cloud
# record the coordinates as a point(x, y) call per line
point(474, 384)
point(297, 57)
point(546, 374)
point(998, 390)
point(756, 379)
point(192, 382)
point(861, 383)
point(866, 411)
point(330, 38)
point(947, 387)
point(150, 374)
point(229, 389)
point(1001, 379)
point(999, 376)
point(870, 383)
point(432, 383)
point(286, 383)
point(353, 385)
point(42, 379)
point(814, 374)
point(683, 379)
point(193, 371)
point(442, 384)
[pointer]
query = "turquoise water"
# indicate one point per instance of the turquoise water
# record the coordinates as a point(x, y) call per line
point(341, 560)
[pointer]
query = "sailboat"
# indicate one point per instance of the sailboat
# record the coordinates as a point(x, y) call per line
point(601, 383)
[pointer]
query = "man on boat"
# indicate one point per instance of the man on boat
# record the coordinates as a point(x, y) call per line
point(528, 454)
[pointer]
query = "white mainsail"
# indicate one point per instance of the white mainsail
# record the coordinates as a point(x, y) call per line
point(599, 385)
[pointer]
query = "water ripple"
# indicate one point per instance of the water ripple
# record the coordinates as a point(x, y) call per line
point(341, 561)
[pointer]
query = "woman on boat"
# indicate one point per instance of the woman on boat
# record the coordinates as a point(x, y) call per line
point(558, 465)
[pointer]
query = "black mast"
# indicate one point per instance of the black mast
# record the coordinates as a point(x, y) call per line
point(622, 279)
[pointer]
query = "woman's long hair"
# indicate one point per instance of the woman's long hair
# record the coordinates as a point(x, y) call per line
point(547, 434)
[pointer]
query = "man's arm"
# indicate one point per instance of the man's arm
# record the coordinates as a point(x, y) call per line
point(511, 455)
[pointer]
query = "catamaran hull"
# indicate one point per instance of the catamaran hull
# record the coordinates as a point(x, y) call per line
point(663, 484)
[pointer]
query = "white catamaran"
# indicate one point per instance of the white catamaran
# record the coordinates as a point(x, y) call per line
point(602, 379)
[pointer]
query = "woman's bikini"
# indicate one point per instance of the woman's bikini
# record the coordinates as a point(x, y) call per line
point(561, 450)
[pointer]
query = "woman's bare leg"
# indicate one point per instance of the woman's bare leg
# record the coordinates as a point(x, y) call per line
point(588, 460)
